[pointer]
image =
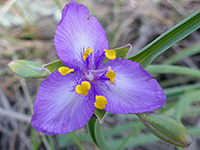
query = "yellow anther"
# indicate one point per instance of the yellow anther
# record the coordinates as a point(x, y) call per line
point(83, 88)
point(64, 70)
point(111, 75)
point(88, 51)
point(101, 102)
point(110, 54)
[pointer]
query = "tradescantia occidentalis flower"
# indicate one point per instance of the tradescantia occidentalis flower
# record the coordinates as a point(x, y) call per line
point(67, 99)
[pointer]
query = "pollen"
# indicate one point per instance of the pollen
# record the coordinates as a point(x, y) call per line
point(110, 54)
point(65, 70)
point(101, 102)
point(88, 51)
point(111, 75)
point(83, 88)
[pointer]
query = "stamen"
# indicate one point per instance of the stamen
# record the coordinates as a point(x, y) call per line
point(83, 88)
point(111, 75)
point(88, 51)
point(65, 70)
point(101, 102)
point(110, 54)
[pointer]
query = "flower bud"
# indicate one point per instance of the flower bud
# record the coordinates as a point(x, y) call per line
point(167, 129)
point(28, 69)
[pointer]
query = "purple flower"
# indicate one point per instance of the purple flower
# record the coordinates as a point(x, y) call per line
point(67, 99)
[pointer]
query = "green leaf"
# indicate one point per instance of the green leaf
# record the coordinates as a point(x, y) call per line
point(100, 114)
point(73, 136)
point(65, 140)
point(96, 133)
point(185, 100)
point(127, 138)
point(183, 54)
point(168, 69)
point(170, 92)
point(174, 81)
point(192, 111)
point(167, 39)
point(28, 69)
point(101, 141)
point(91, 129)
point(53, 66)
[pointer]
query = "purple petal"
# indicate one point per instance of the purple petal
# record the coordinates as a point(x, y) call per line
point(133, 91)
point(58, 109)
point(76, 32)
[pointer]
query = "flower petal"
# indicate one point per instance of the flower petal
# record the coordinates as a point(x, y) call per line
point(58, 109)
point(133, 90)
point(76, 32)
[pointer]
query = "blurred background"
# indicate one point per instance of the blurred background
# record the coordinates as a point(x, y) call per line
point(27, 29)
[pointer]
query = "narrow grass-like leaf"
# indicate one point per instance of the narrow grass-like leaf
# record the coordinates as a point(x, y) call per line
point(65, 140)
point(121, 128)
point(168, 69)
point(192, 111)
point(174, 91)
point(135, 131)
point(28, 69)
point(73, 136)
point(100, 139)
point(34, 139)
point(91, 129)
point(167, 39)
point(183, 54)
point(185, 100)
point(51, 143)
point(175, 81)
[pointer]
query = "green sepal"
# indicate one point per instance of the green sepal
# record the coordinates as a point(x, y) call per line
point(53, 66)
point(167, 129)
point(100, 114)
point(122, 52)
point(28, 69)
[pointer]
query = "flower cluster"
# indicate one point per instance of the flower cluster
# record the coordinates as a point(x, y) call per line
point(67, 99)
